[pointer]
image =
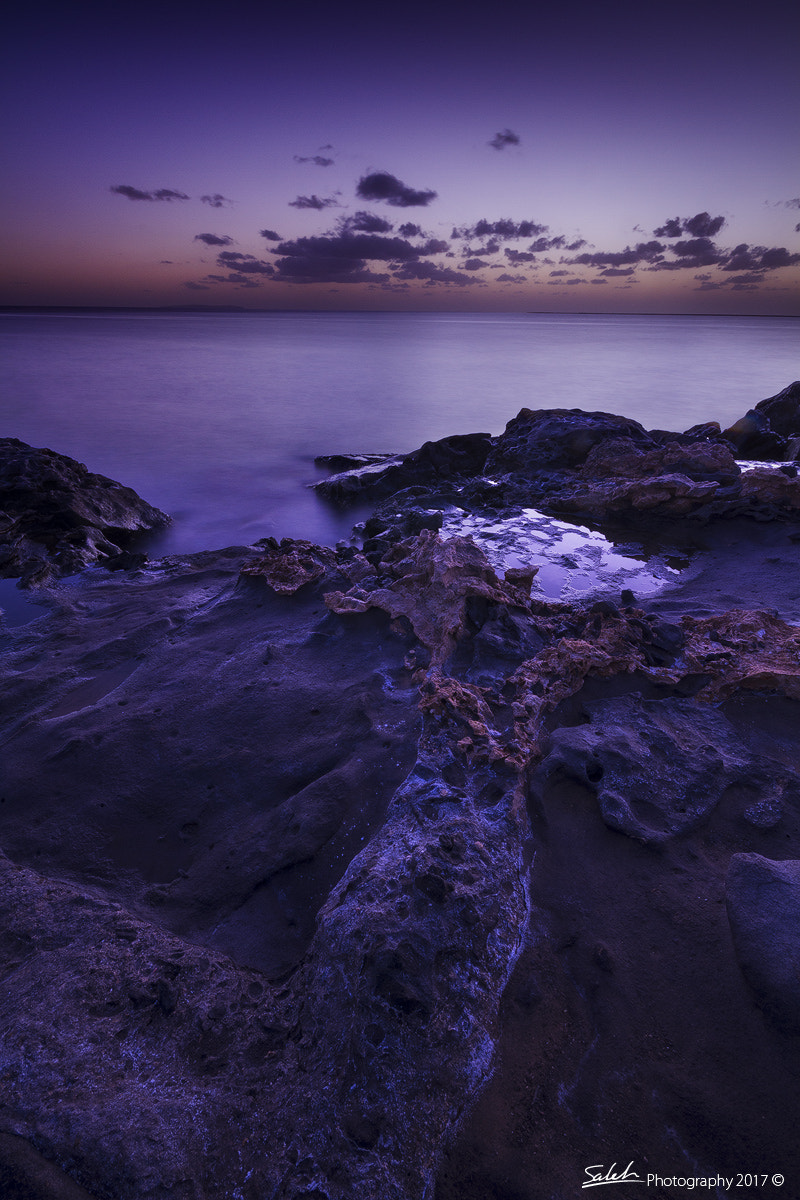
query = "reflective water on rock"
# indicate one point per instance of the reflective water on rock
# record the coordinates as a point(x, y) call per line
point(16, 605)
point(574, 562)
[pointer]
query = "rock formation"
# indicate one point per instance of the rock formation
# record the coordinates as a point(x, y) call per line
point(357, 872)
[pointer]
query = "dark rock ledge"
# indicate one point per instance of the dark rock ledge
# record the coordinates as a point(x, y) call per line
point(344, 874)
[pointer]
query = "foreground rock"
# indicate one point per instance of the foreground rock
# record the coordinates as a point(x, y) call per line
point(56, 517)
point(282, 875)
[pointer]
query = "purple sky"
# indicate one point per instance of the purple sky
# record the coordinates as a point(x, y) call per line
point(602, 157)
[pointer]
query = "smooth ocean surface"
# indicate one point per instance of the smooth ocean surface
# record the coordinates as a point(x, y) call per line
point(216, 418)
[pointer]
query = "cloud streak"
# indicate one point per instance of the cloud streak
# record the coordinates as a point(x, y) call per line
point(212, 239)
point(315, 202)
point(133, 193)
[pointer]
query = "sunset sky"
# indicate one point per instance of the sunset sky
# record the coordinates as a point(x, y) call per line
point(597, 157)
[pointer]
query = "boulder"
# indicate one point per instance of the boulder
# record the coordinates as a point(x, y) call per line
point(58, 517)
point(763, 902)
point(556, 437)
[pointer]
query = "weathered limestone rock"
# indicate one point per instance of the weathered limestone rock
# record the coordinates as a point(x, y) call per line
point(659, 767)
point(56, 517)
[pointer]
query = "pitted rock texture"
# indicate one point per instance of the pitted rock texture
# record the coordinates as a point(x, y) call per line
point(56, 517)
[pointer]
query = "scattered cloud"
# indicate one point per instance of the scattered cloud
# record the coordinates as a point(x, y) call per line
point(195, 287)
point(319, 160)
point(506, 137)
point(270, 235)
point(409, 230)
point(475, 264)
point(316, 202)
point(793, 203)
point(216, 201)
point(125, 189)
point(380, 185)
point(212, 239)
point(506, 278)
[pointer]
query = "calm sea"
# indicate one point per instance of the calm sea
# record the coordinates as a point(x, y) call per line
point(216, 418)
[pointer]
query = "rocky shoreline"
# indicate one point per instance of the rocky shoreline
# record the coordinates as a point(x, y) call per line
point(378, 870)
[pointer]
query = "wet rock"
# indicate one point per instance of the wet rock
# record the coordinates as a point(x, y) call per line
point(783, 411)
point(461, 455)
point(752, 436)
point(763, 901)
point(58, 517)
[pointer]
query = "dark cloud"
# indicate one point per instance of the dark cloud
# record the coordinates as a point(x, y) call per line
point(506, 278)
point(643, 252)
point(270, 235)
point(615, 271)
point(408, 230)
point(341, 257)
point(759, 258)
point(779, 256)
point(349, 245)
point(559, 273)
point(365, 222)
point(701, 225)
point(793, 203)
point(316, 202)
point(691, 254)
point(797, 228)
point(506, 137)
point(211, 239)
point(505, 229)
point(475, 264)
point(246, 264)
point(318, 159)
point(432, 273)
point(380, 185)
point(519, 256)
point(598, 281)
point(216, 201)
point(124, 189)
point(670, 229)
point(435, 246)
